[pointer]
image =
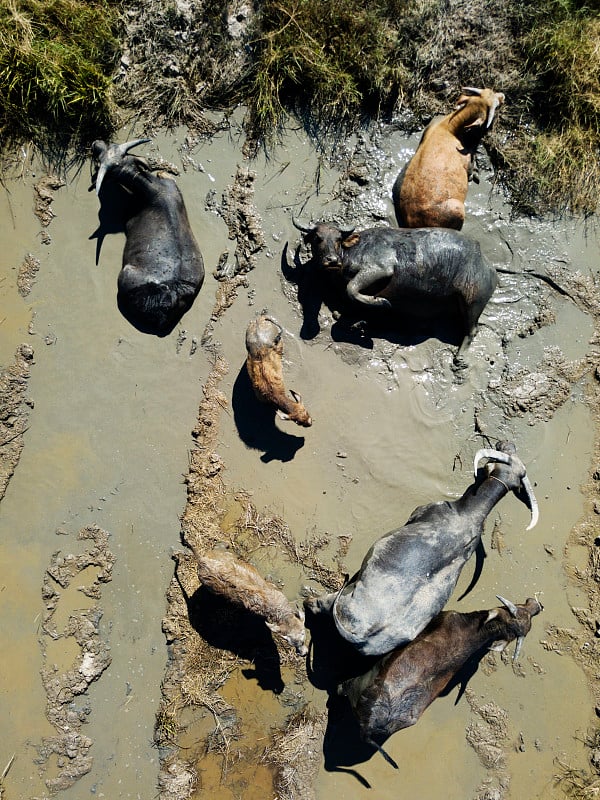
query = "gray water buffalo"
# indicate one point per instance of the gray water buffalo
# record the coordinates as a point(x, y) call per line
point(395, 692)
point(162, 269)
point(264, 345)
point(409, 573)
point(417, 272)
point(431, 190)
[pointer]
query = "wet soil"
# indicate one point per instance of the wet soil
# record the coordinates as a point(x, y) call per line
point(158, 442)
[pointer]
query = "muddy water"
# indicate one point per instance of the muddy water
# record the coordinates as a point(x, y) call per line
point(108, 443)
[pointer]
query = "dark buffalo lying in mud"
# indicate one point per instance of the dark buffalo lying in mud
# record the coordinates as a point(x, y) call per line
point(162, 268)
point(395, 692)
point(417, 272)
point(408, 575)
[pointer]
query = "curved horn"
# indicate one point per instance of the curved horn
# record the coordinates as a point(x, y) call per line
point(509, 605)
point(533, 505)
point(112, 156)
point(301, 227)
point(518, 647)
point(495, 455)
point(498, 100)
point(123, 149)
point(102, 169)
point(472, 90)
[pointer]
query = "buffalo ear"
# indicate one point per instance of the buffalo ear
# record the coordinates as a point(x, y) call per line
point(351, 240)
point(299, 612)
point(282, 415)
point(499, 646)
point(492, 615)
point(297, 397)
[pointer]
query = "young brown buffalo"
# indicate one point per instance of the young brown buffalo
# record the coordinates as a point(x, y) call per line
point(264, 344)
point(238, 581)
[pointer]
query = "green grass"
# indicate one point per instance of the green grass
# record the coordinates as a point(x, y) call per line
point(56, 58)
point(333, 63)
point(562, 51)
point(330, 62)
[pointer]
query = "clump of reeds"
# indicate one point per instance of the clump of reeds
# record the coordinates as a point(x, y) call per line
point(330, 62)
point(563, 53)
point(56, 58)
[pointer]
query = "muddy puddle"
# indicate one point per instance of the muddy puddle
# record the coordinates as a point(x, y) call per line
point(108, 443)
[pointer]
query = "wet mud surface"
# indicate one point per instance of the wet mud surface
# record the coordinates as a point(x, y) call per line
point(146, 445)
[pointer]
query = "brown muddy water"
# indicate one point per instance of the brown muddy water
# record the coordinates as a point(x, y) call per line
point(108, 442)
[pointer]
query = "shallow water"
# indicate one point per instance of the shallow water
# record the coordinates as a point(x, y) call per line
point(110, 432)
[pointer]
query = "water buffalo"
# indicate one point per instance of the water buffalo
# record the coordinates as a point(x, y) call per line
point(410, 271)
point(264, 345)
point(238, 581)
point(395, 692)
point(431, 190)
point(162, 268)
point(409, 573)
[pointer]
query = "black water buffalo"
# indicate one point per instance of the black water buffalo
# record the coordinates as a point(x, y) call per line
point(162, 268)
point(416, 271)
point(395, 692)
point(408, 575)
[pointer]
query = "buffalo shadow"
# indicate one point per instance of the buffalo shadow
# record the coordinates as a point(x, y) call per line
point(228, 626)
point(330, 661)
point(117, 206)
point(255, 422)
point(358, 324)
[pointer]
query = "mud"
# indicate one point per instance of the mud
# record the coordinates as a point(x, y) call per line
point(14, 412)
point(69, 748)
point(226, 709)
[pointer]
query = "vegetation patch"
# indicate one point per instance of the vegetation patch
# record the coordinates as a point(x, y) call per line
point(56, 61)
point(335, 65)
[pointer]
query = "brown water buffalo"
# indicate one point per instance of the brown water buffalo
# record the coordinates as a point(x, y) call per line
point(431, 190)
point(395, 692)
point(264, 344)
point(241, 583)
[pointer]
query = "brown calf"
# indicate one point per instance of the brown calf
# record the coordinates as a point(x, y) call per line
point(224, 574)
point(264, 344)
point(431, 191)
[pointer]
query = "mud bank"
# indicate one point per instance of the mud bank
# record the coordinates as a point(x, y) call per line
point(109, 444)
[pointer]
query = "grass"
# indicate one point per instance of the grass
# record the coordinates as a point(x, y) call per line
point(334, 64)
point(562, 50)
point(329, 62)
point(56, 59)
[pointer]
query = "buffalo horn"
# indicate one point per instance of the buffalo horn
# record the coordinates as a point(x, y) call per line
point(533, 506)
point(518, 647)
point(492, 111)
point(495, 455)
point(472, 90)
point(113, 155)
point(509, 605)
point(300, 226)
point(127, 146)
point(347, 232)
